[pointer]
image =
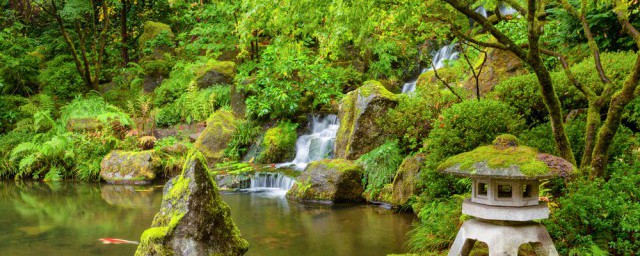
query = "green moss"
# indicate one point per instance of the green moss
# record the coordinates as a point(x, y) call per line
point(151, 30)
point(341, 165)
point(278, 143)
point(226, 68)
point(525, 158)
point(372, 86)
point(214, 139)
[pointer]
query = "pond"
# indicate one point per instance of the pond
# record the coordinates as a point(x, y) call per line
point(69, 218)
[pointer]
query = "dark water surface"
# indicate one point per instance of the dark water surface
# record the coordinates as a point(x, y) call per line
point(69, 218)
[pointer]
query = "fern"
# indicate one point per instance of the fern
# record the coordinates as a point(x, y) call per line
point(380, 166)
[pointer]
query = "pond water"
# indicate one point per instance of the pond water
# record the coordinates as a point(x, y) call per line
point(69, 218)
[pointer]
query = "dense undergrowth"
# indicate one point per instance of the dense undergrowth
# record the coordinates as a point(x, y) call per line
point(65, 104)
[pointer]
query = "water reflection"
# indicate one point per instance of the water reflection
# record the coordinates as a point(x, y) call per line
point(69, 218)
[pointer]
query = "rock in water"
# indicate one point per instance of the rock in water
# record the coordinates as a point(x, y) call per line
point(360, 114)
point(193, 219)
point(122, 167)
point(335, 181)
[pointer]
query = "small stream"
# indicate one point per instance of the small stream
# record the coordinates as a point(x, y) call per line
point(69, 218)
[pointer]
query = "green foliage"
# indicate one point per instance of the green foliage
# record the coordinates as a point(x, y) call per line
point(287, 76)
point(380, 166)
point(523, 92)
point(194, 105)
point(438, 226)
point(412, 120)
point(93, 107)
point(602, 22)
point(215, 33)
point(541, 137)
point(60, 78)
point(598, 215)
point(10, 112)
point(19, 61)
point(245, 136)
point(177, 84)
point(470, 124)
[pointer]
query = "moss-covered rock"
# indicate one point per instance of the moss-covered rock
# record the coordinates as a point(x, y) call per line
point(193, 219)
point(335, 181)
point(278, 144)
point(152, 30)
point(498, 66)
point(406, 181)
point(215, 72)
point(215, 138)
point(87, 124)
point(122, 167)
point(428, 81)
point(359, 115)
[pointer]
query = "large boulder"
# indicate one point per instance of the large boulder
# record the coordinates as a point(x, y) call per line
point(278, 144)
point(156, 45)
point(499, 65)
point(334, 180)
point(215, 73)
point(361, 113)
point(123, 167)
point(215, 138)
point(193, 219)
point(405, 183)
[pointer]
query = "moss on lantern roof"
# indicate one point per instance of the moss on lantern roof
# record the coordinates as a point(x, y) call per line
point(506, 159)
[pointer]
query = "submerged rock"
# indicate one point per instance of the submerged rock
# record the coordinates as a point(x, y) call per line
point(405, 183)
point(123, 167)
point(360, 114)
point(193, 219)
point(332, 180)
point(215, 138)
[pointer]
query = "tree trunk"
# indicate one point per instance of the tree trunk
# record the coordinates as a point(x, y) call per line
point(124, 33)
point(614, 117)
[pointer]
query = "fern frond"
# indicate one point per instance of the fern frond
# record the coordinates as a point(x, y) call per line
point(22, 149)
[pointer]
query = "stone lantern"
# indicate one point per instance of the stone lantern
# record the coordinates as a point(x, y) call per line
point(504, 197)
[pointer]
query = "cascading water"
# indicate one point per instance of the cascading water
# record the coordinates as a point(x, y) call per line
point(318, 144)
point(264, 180)
point(440, 58)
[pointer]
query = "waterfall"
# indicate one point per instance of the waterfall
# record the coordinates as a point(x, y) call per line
point(506, 10)
point(318, 144)
point(482, 11)
point(440, 58)
point(262, 180)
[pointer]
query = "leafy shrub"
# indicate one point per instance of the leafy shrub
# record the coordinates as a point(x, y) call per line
point(413, 118)
point(19, 61)
point(60, 78)
point(8, 141)
point(171, 89)
point(523, 92)
point(598, 215)
point(470, 124)
point(286, 75)
point(242, 139)
point(380, 166)
point(10, 112)
point(541, 137)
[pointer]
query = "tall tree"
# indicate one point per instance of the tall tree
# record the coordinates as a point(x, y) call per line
point(84, 25)
point(599, 134)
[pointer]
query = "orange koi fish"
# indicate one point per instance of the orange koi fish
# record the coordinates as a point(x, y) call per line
point(116, 241)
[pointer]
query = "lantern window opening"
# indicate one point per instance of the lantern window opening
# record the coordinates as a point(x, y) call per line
point(505, 191)
point(527, 191)
point(482, 189)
